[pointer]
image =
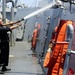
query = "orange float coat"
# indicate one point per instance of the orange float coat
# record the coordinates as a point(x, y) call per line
point(34, 38)
point(59, 48)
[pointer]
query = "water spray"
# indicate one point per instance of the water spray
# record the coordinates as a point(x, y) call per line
point(55, 4)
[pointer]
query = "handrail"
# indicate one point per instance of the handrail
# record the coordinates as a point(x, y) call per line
point(70, 36)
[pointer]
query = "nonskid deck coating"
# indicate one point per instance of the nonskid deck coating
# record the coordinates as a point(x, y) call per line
point(22, 62)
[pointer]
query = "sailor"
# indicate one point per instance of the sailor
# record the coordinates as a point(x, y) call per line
point(4, 44)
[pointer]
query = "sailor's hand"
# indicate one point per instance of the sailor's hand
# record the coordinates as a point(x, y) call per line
point(19, 24)
point(20, 20)
point(11, 23)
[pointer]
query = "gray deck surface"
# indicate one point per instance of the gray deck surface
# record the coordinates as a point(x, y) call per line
point(22, 62)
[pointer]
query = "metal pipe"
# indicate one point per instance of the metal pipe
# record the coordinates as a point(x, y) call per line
point(4, 10)
point(15, 3)
point(70, 51)
point(12, 42)
point(70, 36)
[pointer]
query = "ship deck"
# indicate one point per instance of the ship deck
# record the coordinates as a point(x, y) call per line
point(22, 61)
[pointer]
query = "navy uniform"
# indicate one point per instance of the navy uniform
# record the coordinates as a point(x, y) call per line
point(4, 47)
point(4, 44)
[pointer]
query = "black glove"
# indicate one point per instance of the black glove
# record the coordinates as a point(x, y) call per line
point(20, 20)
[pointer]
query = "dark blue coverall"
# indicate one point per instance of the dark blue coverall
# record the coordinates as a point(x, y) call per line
point(4, 45)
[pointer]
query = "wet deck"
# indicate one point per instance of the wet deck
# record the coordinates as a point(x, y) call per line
point(22, 62)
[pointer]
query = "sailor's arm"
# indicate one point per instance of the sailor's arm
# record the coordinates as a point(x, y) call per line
point(11, 23)
point(15, 26)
